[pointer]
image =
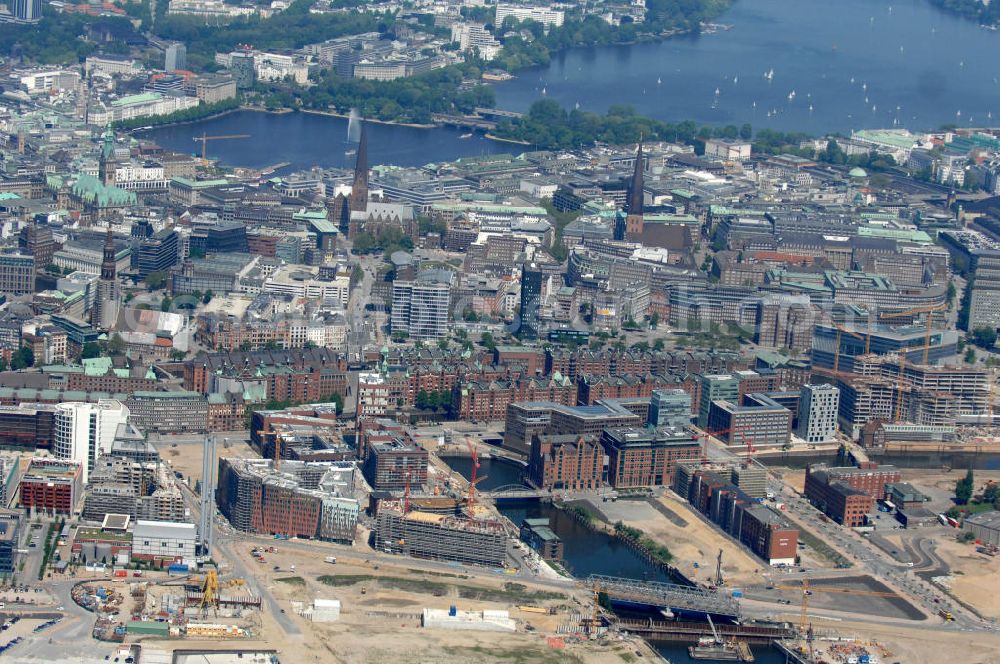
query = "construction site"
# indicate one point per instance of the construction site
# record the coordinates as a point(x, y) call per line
point(314, 499)
point(889, 373)
point(440, 537)
point(189, 606)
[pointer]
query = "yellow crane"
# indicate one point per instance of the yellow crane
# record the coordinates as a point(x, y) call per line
point(841, 330)
point(277, 444)
point(929, 310)
point(205, 138)
point(210, 589)
point(595, 612)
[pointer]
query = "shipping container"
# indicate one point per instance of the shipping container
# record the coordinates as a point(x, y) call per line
point(148, 627)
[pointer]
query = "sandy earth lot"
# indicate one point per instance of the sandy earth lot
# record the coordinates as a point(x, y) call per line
point(923, 646)
point(697, 542)
point(380, 623)
point(975, 576)
point(186, 457)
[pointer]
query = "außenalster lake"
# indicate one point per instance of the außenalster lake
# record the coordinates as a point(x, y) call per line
point(850, 64)
point(792, 65)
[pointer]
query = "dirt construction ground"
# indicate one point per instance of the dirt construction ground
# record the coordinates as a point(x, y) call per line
point(922, 646)
point(185, 456)
point(381, 608)
point(695, 542)
point(975, 577)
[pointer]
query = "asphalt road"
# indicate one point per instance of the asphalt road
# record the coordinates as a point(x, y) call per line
point(258, 585)
point(876, 563)
point(67, 640)
point(223, 543)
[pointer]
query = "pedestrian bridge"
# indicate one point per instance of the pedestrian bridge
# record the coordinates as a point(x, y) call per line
point(514, 491)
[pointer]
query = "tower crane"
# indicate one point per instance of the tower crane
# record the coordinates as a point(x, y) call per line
point(277, 444)
point(210, 590)
point(595, 611)
point(406, 492)
point(704, 436)
point(841, 330)
point(929, 310)
point(473, 480)
point(205, 138)
point(808, 590)
point(744, 438)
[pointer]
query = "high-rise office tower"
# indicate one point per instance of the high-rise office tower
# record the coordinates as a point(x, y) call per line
point(176, 57)
point(531, 300)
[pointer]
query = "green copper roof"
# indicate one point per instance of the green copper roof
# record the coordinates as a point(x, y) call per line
point(143, 98)
point(918, 236)
point(96, 366)
point(312, 215)
point(91, 190)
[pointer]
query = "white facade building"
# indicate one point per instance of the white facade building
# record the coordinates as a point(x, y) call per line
point(302, 283)
point(211, 8)
point(147, 104)
point(420, 307)
point(164, 540)
point(85, 431)
point(373, 396)
point(37, 82)
point(818, 409)
point(111, 65)
point(475, 37)
point(544, 15)
point(727, 150)
point(140, 177)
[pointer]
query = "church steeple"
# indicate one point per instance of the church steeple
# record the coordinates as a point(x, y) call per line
point(635, 187)
point(107, 304)
point(359, 188)
point(106, 162)
point(108, 265)
point(634, 221)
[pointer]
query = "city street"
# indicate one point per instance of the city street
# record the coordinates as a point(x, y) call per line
point(876, 563)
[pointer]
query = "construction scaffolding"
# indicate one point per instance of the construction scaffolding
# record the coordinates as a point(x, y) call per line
point(302, 499)
point(440, 537)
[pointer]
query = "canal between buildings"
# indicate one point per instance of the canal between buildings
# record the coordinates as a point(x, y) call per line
point(585, 551)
